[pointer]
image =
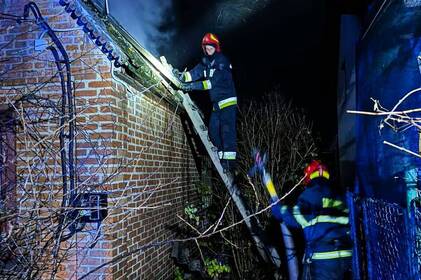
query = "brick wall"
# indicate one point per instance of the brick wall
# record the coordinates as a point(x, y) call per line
point(129, 143)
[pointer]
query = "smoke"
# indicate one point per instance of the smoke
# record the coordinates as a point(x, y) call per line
point(155, 23)
point(150, 22)
point(230, 14)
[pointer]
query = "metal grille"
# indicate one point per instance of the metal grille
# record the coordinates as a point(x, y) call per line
point(386, 241)
point(416, 229)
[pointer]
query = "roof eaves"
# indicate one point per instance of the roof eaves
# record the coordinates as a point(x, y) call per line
point(119, 46)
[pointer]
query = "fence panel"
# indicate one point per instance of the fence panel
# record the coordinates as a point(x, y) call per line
point(387, 240)
point(416, 237)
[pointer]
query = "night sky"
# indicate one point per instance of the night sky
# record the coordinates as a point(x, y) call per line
point(292, 45)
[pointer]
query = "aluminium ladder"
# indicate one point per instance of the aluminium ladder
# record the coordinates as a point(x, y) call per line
point(266, 252)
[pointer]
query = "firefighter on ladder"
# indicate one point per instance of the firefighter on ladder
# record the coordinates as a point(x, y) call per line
point(213, 73)
point(323, 216)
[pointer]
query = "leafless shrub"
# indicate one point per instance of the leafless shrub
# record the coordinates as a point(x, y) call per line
point(276, 127)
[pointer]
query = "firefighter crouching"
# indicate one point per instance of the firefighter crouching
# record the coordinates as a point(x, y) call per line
point(323, 216)
point(213, 73)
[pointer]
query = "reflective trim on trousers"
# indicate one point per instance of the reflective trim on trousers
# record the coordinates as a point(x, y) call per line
point(331, 255)
point(220, 154)
point(229, 155)
point(227, 102)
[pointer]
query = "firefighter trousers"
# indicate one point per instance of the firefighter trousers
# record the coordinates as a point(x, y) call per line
point(333, 269)
point(223, 134)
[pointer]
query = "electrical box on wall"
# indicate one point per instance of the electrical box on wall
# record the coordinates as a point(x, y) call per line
point(92, 207)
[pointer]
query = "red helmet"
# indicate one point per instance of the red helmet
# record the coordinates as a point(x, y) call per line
point(314, 170)
point(211, 39)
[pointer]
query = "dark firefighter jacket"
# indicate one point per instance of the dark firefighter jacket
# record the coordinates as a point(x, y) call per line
point(213, 73)
point(323, 216)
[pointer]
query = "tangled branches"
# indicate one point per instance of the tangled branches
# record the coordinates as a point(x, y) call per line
point(124, 138)
point(276, 127)
point(398, 120)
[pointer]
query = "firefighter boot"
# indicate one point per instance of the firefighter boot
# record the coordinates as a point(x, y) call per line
point(229, 167)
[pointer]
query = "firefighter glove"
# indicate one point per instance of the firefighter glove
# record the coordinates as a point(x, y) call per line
point(259, 160)
point(177, 74)
point(187, 86)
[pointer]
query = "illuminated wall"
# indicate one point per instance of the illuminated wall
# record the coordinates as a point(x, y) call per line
point(387, 69)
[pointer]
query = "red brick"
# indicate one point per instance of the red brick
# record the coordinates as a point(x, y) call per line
point(81, 93)
point(99, 84)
